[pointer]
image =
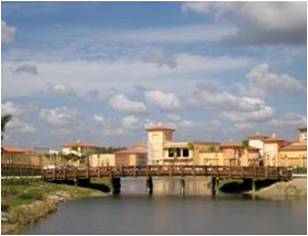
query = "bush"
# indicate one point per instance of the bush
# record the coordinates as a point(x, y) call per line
point(4, 207)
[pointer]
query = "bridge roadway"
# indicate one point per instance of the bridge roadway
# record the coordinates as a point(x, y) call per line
point(232, 172)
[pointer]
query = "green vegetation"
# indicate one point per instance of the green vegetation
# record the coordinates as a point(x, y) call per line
point(245, 143)
point(26, 201)
point(5, 119)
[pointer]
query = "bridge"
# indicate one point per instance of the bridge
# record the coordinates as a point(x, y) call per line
point(115, 173)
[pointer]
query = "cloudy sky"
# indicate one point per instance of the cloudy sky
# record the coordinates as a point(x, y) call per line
point(101, 71)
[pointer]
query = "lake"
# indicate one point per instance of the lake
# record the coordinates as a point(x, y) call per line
point(167, 211)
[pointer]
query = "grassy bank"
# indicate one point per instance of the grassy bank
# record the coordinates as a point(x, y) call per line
point(26, 201)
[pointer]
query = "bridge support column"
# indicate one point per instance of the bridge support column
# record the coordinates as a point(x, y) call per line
point(149, 185)
point(116, 185)
point(253, 188)
point(183, 186)
point(214, 186)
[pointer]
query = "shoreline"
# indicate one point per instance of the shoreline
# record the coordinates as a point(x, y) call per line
point(17, 219)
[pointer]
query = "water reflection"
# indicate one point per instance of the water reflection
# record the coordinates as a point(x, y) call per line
point(166, 186)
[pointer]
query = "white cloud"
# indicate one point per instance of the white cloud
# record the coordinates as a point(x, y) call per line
point(7, 32)
point(123, 104)
point(62, 90)
point(210, 98)
point(60, 116)
point(105, 74)
point(263, 82)
point(16, 125)
point(281, 22)
point(130, 122)
point(165, 101)
point(176, 34)
point(99, 118)
point(156, 56)
point(264, 113)
point(12, 108)
point(173, 117)
point(288, 121)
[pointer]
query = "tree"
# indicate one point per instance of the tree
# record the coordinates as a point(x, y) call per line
point(245, 143)
point(5, 119)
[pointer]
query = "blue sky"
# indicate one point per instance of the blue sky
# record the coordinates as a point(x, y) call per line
point(100, 72)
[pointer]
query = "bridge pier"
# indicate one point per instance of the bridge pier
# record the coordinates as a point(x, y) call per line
point(213, 186)
point(183, 186)
point(253, 188)
point(116, 185)
point(149, 185)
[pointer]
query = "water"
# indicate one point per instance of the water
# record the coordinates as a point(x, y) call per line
point(168, 212)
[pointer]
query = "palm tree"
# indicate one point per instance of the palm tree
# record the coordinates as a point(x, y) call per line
point(5, 119)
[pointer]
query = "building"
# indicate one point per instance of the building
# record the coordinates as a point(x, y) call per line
point(162, 150)
point(250, 157)
point(302, 134)
point(97, 160)
point(271, 150)
point(257, 141)
point(136, 155)
point(231, 153)
point(294, 154)
point(79, 148)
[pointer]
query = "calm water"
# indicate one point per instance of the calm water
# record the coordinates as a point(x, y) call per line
point(168, 212)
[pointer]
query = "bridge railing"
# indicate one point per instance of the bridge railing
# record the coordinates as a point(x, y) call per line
point(8, 170)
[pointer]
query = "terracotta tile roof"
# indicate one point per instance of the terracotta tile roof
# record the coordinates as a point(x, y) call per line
point(230, 144)
point(274, 139)
point(136, 149)
point(257, 136)
point(15, 149)
point(295, 147)
point(159, 127)
point(78, 143)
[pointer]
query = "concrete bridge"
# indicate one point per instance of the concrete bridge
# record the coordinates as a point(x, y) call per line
point(116, 173)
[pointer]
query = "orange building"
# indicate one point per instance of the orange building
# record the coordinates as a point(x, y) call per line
point(132, 156)
point(231, 153)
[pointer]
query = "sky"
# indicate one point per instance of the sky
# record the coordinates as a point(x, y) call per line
point(102, 71)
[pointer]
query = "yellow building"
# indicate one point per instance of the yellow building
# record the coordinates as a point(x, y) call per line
point(162, 150)
point(97, 160)
point(271, 150)
point(294, 154)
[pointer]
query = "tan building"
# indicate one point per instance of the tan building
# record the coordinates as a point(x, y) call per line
point(294, 154)
point(250, 157)
point(97, 160)
point(133, 156)
point(79, 148)
point(231, 152)
point(257, 141)
point(271, 150)
point(162, 150)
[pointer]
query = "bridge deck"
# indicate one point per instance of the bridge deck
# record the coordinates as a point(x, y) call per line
point(234, 172)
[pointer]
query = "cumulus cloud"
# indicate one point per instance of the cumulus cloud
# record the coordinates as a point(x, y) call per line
point(7, 32)
point(12, 108)
point(263, 82)
point(264, 113)
point(288, 121)
point(123, 104)
point(99, 118)
point(30, 69)
point(62, 90)
point(60, 116)
point(259, 22)
point(130, 122)
point(210, 98)
point(165, 101)
point(156, 56)
point(19, 126)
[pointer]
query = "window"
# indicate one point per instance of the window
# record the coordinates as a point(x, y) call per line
point(185, 152)
point(178, 152)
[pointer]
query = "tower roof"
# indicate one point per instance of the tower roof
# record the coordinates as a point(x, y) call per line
point(159, 127)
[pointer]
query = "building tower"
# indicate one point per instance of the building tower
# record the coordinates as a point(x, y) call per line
point(302, 134)
point(158, 135)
